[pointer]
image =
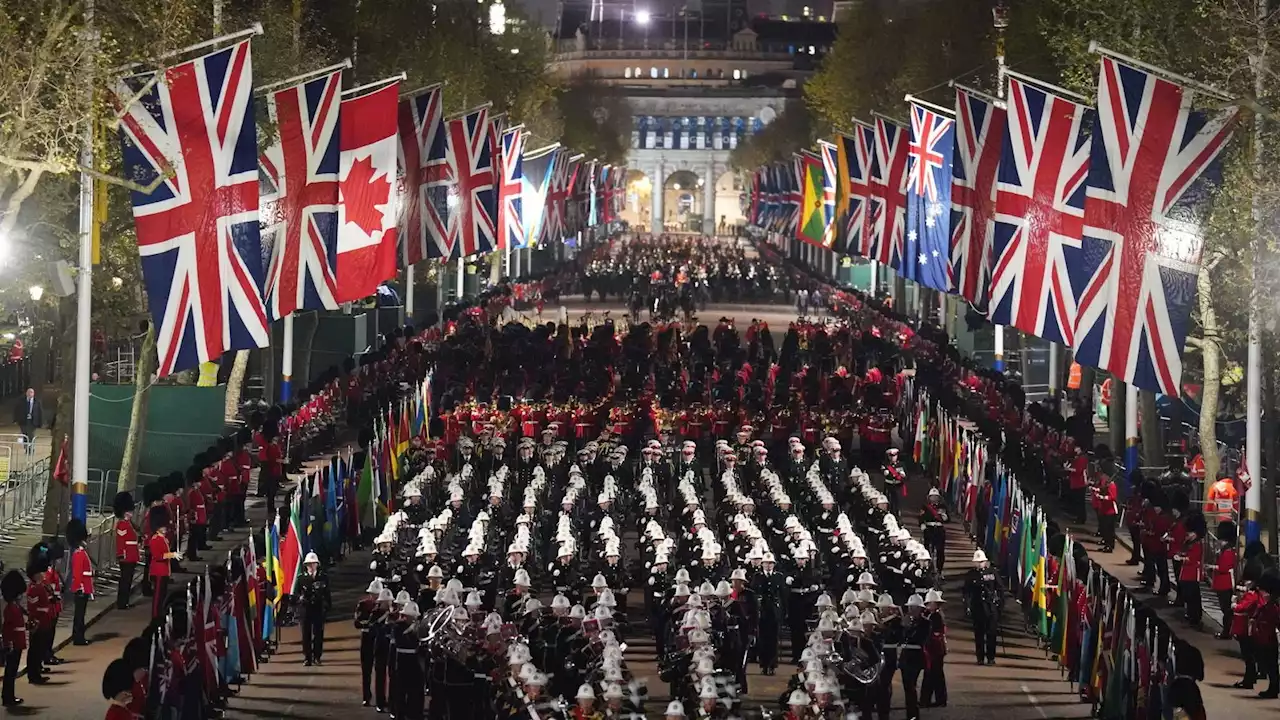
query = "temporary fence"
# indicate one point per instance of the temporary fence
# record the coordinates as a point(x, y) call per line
point(22, 499)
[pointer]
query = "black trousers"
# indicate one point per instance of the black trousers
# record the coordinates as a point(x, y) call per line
point(12, 660)
point(1250, 656)
point(933, 689)
point(198, 541)
point(80, 606)
point(1268, 661)
point(380, 658)
point(1135, 541)
point(39, 644)
point(1107, 526)
point(1079, 507)
point(409, 690)
point(159, 595)
point(125, 589)
point(1189, 594)
point(984, 637)
point(367, 643)
point(884, 689)
point(1228, 612)
point(767, 645)
point(911, 668)
point(312, 634)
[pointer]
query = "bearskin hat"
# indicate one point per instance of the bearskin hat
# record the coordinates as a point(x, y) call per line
point(158, 517)
point(1269, 581)
point(1188, 659)
point(1178, 500)
point(1185, 693)
point(117, 679)
point(122, 504)
point(1057, 544)
point(137, 653)
point(37, 560)
point(77, 533)
point(1196, 523)
point(12, 586)
point(1227, 532)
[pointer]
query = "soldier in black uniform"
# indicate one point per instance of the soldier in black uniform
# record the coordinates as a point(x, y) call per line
point(932, 517)
point(915, 636)
point(654, 596)
point(742, 621)
point(895, 479)
point(368, 617)
point(802, 585)
point(314, 600)
point(769, 587)
point(985, 595)
point(408, 688)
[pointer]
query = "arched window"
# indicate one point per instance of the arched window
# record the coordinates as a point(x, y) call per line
point(737, 74)
point(653, 72)
point(666, 72)
point(637, 71)
point(627, 73)
point(693, 74)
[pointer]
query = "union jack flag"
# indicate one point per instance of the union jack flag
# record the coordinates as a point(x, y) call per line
point(553, 220)
point(424, 207)
point(472, 222)
point(1148, 186)
point(979, 134)
point(1039, 213)
point(794, 195)
point(829, 164)
point(926, 257)
point(299, 183)
point(887, 211)
point(510, 215)
point(855, 167)
point(198, 234)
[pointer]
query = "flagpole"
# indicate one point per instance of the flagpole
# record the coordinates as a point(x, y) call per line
point(286, 360)
point(1000, 20)
point(84, 306)
point(406, 312)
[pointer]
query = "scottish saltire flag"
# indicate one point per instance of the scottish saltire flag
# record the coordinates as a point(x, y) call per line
point(927, 252)
point(887, 211)
point(827, 152)
point(473, 219)
point(424, 188)
point(1040, 186)
point(1152, 165)
point(193, 132)
point(535, 168)
point(511, 189)
point(367, 201)
point(299, 183)
point(979, 134)
point(854, 160)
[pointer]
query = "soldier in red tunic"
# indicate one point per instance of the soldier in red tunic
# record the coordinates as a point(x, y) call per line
point(13, 634)
point(117, 688)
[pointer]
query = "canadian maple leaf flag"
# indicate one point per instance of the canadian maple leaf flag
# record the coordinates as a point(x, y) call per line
point(367, 204)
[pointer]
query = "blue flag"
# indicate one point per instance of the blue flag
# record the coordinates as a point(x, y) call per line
point(927, 250)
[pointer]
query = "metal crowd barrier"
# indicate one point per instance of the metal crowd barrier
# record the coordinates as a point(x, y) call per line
point(22, 499)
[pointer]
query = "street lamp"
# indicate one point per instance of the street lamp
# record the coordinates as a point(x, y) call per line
point(643, 17)
point(37, 292)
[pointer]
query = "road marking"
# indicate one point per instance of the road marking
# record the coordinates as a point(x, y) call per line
point(1032, 699)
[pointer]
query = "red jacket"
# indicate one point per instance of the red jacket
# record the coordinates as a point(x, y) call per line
point(116, 711)
point(81, 572)
point(14, 632)
point(196, 504)
point(1079, 472)
point(158, 546)
point(1224, 572)
point(1106, 498)
point(127, 549)
point(1243, 611)
point(1192, 563)
point(1263, 624)
point(40, 606)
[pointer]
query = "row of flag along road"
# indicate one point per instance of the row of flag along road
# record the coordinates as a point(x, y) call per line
point(1080, 225)
point(351, 185)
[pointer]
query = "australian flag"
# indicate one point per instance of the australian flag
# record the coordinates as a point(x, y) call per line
point(927, 254)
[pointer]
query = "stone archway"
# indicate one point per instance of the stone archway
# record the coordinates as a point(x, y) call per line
point(730, 196)
point(683, 202)
point(638, 205)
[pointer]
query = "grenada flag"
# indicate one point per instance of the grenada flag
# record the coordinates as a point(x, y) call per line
point(814, 217)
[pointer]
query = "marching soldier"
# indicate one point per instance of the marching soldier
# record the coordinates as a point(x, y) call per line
point(314, 601)
point(895, 480)
point(408, 689)
point(933, 690)
point(985, 596)
point(932, 517)
point(367, 617)
point(769, 587)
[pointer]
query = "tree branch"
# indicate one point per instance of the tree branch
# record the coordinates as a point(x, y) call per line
point(121, 182)
point(32, 165)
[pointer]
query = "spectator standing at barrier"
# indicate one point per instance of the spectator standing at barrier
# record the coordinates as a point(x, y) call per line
point(29, 417)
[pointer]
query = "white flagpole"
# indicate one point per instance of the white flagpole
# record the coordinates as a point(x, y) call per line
point(1000, 20)
point(286, 360)
point(407, 311)
point(84, 305)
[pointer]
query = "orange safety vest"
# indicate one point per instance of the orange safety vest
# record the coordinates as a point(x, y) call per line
point(1197, 467)
point(1074, 377)
point(1106, 392)
point(1222, 499)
